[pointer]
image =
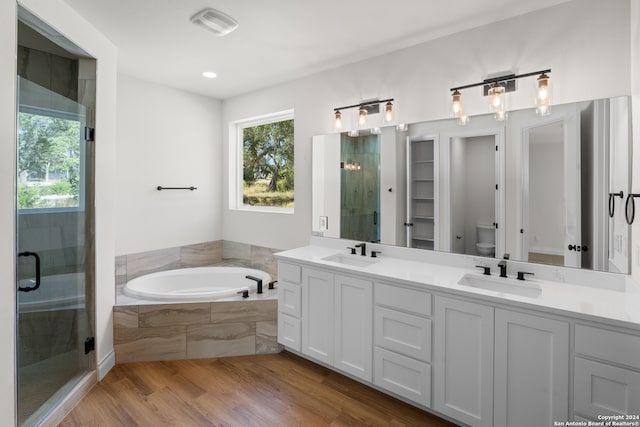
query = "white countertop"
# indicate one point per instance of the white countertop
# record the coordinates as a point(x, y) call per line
point(620, 307)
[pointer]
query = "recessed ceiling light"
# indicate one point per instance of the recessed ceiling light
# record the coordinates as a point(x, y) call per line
point(209, 74)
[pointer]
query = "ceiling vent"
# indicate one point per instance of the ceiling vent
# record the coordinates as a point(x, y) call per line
point(215, 21)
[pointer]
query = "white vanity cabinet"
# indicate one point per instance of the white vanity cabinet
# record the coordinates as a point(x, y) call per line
point(479, 361)
point(289, 305)
point(531, 382)
point(607, 372)
point(463, 361)
point(402, 339)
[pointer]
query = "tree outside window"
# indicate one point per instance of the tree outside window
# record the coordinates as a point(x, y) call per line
point(267, 166)
point(48, 161)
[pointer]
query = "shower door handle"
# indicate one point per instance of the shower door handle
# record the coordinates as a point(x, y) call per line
point(375, 217)
point(37, 257)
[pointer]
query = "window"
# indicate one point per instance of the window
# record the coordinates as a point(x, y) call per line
point(49, 159)
point(262, 171)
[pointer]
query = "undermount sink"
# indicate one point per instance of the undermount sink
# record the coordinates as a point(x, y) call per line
point(501, 284)
point(353, 260)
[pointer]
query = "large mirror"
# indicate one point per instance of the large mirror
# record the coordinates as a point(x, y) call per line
point(542, 189)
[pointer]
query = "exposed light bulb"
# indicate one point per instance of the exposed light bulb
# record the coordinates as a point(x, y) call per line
point(496, 98)
point(456, 104)
point(543, 95)
point(362, 117)
point(388, 112)
point(338, 119)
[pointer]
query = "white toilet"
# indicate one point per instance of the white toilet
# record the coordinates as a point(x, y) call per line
point(486, 238)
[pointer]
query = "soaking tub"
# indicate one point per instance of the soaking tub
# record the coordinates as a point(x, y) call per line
point(195, 284)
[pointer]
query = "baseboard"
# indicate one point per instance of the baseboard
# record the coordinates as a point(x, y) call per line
point(57, 414)
point(105, 365)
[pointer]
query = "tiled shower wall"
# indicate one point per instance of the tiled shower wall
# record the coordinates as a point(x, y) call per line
point(197, 255)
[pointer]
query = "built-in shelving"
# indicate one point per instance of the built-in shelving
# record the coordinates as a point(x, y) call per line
point(422, 185)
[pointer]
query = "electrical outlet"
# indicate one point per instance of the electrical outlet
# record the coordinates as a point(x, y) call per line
point(324, 222)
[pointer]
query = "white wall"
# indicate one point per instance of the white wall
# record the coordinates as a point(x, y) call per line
point(171, 138)
point(594, 45)
point(8, 48)
point(60, 16)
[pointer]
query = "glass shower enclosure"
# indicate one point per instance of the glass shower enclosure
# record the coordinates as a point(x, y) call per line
point(54, 217)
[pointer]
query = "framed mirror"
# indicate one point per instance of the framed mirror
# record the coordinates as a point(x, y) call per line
point(542, 189)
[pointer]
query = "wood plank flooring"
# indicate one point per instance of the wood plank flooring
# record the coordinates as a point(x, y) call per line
point(263, 390)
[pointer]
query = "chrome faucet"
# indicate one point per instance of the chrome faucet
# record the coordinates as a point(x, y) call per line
point(363, 248)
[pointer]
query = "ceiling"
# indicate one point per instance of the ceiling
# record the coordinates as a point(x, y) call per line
point(277, 40)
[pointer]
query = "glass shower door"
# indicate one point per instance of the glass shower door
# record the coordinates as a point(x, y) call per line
point(54, 246)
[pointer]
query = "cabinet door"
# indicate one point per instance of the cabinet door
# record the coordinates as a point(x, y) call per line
point(353, 326)
point(463, 361)
point(531, 370)
point(601, 389)
point(317, 314)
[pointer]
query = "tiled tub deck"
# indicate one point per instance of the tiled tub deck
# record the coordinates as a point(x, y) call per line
point(146, 331)
point(195, 330)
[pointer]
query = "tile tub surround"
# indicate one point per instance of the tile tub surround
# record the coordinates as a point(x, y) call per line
point(195, 330)
point(130, 266)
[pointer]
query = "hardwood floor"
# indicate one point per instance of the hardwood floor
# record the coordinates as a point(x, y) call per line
point(263, 390)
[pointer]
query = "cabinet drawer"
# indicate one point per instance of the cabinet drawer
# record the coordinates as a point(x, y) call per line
point(602, 389)
point(403, 299)
point(289, 298)
point(608, 345)
point(289, 331)
point(403, 376)
point(403, 333)
point(289, 273)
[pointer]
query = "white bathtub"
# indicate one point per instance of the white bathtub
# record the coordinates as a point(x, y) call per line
point(195, 284)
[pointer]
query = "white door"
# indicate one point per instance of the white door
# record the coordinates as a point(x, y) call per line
point(353, 326)
point(551, 190)
point(463, 361)
point(317, 314)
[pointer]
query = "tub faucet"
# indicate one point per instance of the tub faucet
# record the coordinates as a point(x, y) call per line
point(363, 248)
point(258, 281)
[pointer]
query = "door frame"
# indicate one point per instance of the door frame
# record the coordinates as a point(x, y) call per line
point(571, 132)
point(499, 166)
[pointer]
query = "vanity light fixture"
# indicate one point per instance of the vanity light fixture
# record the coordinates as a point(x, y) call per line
point(364, 109)
point(496, 87)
